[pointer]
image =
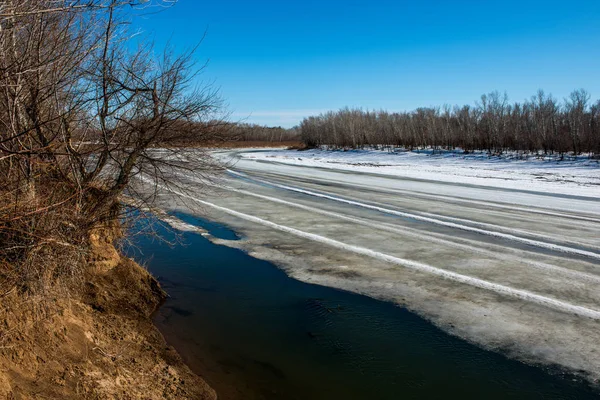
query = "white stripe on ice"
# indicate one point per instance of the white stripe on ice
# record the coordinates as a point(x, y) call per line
point(414, 233)
point(531, 242)
point(501, 228)
point(508, 206)
point(453, 276)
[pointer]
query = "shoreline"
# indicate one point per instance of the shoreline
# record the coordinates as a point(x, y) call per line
point(102, 344)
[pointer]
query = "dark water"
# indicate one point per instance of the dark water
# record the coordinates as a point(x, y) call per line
point(254, 333)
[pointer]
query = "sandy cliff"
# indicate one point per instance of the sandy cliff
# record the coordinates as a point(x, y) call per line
point(100, 344)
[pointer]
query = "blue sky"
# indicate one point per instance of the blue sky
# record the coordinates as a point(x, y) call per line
point(278, 61)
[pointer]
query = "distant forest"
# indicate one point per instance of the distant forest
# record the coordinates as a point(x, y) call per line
point(254, 133)
point(541, 124)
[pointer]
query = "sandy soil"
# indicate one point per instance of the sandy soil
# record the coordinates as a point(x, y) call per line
point(98, 345)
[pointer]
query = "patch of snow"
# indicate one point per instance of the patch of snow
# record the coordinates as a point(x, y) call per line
point(180, 225)
point(574, 175)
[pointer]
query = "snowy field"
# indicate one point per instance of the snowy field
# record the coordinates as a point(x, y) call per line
point(576, 176)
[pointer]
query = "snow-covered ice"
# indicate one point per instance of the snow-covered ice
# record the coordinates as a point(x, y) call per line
point(573, 176)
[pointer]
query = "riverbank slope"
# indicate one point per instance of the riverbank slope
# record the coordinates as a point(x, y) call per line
point(98, 344)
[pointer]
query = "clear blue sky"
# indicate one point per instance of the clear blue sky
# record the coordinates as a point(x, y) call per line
point(278, 61)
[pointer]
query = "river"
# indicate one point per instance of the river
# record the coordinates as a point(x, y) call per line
point(254, 333)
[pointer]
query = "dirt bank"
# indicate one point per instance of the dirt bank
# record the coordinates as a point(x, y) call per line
point(99, 344)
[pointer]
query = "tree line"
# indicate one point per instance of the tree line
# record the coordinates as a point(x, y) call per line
point(493, 124)
point(260, 133)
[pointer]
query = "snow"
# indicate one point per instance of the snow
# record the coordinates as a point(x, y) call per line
point(180, 225)
point(574, 176)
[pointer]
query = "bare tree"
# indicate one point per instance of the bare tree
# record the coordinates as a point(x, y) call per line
point(81, 117)
point(576, 106)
